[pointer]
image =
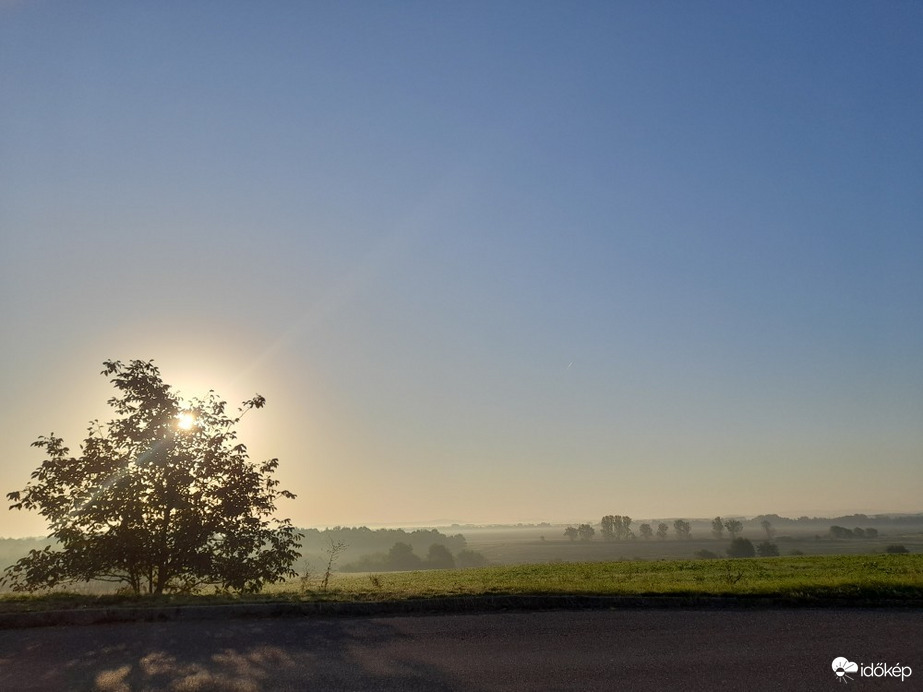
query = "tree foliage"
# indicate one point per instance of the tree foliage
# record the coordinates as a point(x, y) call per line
point(767, 549)
point(717, 528)
point(161, 498)
point(741, 547)
point(734, 527)
point(616, 527)
point(586, 532)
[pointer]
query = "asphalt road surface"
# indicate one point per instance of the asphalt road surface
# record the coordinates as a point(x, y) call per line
point(667, 649)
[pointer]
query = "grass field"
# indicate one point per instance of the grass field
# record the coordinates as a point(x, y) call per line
point(800, 579)
point(535, 545)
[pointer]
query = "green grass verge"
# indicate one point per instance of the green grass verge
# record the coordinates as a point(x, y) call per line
point(801, 579)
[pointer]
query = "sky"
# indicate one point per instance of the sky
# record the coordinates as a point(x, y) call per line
point(488, 262)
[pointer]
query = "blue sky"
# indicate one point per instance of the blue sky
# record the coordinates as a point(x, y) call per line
point(487, 261)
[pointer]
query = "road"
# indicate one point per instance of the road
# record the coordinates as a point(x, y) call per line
point(667, 649)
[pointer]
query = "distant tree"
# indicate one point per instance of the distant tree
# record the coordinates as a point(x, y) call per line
point(616, 527)
point(767, 549)
point(717, 528)
point(607, 527)
point(662, 530)
point(439, 557)
point(734, 527)
point(626, 533)
point(767, 527)
point(741, 547)
point(402, 558)
point(840, 532)
point(646, 531)
point(858, 533)
point(896, 549)
point(571, 532)
point(871, 533)
point(683, 529)
point(162, 498)
point(586, 532)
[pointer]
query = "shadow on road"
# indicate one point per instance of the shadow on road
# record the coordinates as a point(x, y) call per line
point(240, 656)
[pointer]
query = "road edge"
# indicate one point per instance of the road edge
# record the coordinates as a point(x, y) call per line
point(423, 606)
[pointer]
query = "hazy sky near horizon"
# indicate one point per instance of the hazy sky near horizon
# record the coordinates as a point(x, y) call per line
point(487, 261)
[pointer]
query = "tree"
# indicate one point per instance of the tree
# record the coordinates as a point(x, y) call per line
point(626, 532)
point(439, 557)
point(767, 549)
point(571, 532)
point(683, 529)
point(334, 548)
point(646, 531)
point(733, 527)
point(401, 557)
point(717, 528)
point(162, 498)
point(586, 532)
point(662, 530)
point(840, 532)
point(741, 547)
point(607, 527)
point(767, 527)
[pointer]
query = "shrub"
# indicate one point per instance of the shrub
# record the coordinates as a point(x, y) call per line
point(741, 547)
point(896, 549)
point(767, 549)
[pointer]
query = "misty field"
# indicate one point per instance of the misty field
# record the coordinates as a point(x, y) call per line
point(803, 579)
point(511, 546)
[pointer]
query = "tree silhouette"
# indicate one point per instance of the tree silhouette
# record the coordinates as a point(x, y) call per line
point(734, 527)
point(717, 528)
point(402, 557)
point(741, 547)
point(162, 498)
point(439, 557)
point(607, 526)
point(767, 527)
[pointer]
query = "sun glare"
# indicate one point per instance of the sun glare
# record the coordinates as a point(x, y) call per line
point(185, 421)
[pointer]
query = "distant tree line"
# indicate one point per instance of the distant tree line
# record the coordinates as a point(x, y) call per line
point(615, 527)
point(842, 532)
point(401, 557)
point(362, 539)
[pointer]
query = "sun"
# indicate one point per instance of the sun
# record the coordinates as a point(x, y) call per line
point(185, 421)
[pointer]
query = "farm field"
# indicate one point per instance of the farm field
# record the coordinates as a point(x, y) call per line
point(514, 545)
point(803, 577)
point(806, 579)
